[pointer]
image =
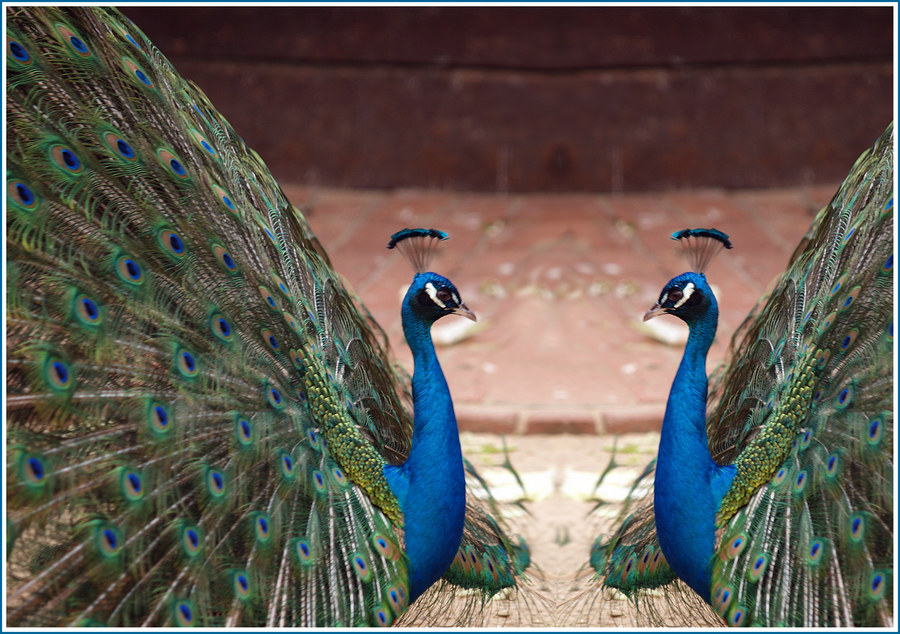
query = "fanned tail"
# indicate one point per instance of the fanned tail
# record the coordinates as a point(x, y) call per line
point(804, 410)
point(198, 410)
point(815, 360)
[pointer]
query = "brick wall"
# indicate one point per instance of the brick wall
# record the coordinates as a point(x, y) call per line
point(542, 98)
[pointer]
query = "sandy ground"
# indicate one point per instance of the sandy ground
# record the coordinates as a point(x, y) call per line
point(560, 473)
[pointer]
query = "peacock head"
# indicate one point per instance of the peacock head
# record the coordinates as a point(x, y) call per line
point(430, 296)
point(689, 296)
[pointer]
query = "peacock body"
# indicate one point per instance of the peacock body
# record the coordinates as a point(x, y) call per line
point(774, 502)
point(203, 424)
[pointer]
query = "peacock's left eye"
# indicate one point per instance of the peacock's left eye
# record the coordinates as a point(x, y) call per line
point(444, 295)
point(675, 294)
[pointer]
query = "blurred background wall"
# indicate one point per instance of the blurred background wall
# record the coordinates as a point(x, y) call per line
point(523, 99)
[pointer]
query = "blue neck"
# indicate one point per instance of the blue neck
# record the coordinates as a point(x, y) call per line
point(431, 483)
point(689, 485)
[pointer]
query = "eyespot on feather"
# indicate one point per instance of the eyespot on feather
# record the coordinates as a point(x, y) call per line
point(186, 363)
point(225, 198)
point(221, 328)
point(129, 270)
point(58, 374)
point(361, 567)
point(281, 286)
point(844, 397)
point(737, 616)
point(191, 540)
point(318, 481)
point(303, 551)
point(33, 470)
point(173, 164)
point(203, 142)
point(382, 617)
point(133, 70)
point(268, 298)
point(386, 549)
point(225, 259)
point(215, 483)
point(131, 484)
point(722, 599)
point(74, 41)
point(243, 430)
point(780, 476)
point(290, 321)
point(734, 547)
point(262, 528)
point(270, 339)
point(857, 528)
point(850, 298)
point(274, 398)
point(183, 613)
point(874, 432)
point(339, 476)
point(758, 569)
point(240, 583)
point(286, 465)
point(108, 539)
point(127, 36)
point(396, 600)
point(120, 147)
point(172, 243)
point(66, 159)
point(296, 359)
point(21, 195)
point(17, 52)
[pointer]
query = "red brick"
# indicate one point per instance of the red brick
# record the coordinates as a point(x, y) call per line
point(490, 420)
point(633, 420)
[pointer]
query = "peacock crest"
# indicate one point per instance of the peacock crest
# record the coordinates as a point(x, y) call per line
point(700, 246)
point(418, 246)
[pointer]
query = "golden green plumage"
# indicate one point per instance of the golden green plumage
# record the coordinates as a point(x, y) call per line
point(764, 454)
point(352, 452)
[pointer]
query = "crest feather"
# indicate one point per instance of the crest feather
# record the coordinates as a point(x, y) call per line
point(417, 245)
point(701, 245)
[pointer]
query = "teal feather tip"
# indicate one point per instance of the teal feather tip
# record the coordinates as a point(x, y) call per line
point(700, 245)
point(418, 246)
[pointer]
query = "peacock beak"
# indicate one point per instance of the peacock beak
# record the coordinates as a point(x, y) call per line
point(464, 311)
point(655, 310)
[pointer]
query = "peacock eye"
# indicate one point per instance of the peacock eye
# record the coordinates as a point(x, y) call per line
point(444, 295)
point(675, 294)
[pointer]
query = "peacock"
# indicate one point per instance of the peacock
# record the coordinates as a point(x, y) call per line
point(773, 502)
point(204, 426)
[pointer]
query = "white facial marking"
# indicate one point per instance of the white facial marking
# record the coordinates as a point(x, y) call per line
point(456, 299)
point(688, 290)
point(432, 293)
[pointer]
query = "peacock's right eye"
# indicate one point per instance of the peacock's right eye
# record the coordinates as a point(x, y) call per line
point(443, 295)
